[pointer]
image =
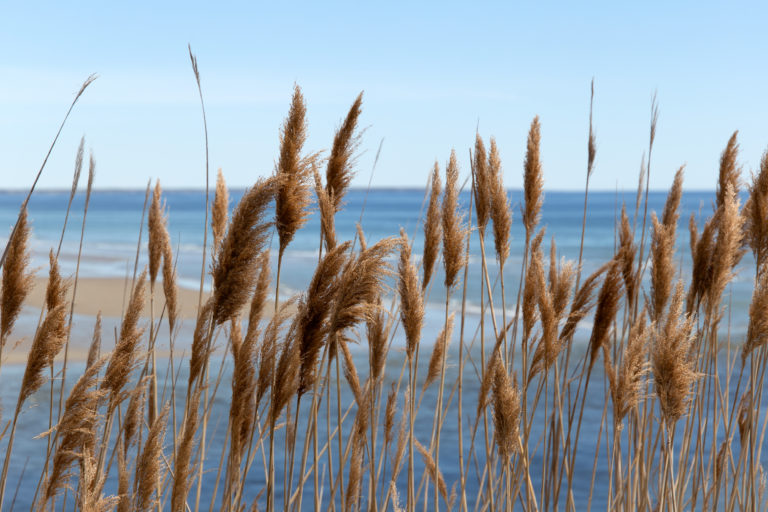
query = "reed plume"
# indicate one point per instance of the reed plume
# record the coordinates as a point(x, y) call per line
point(532, 179)
point(339, 172)
point(377, 333)
point(313, 312)
point(360, 284)
point(50, 336)
point(549, 345)
point(438, 352)
point(727, 249)
point(663, 240)
point(95, 347)
point(411, 304)
point(134, 413)
point(453, 228)
point(730, 171)
point(293, 171)
point(17, 280)
point(701, 274)
point(77, 429)
point(482, 189)
point(169, 283)
point(182, 468)
point(501, 213)
point(219, 210)
point(237, 262)
point(607, 306)
point(242, 408)
point(432, 228)
point(560, 282)
point(149, 464)
point(158, 233)
point(757, 330)
point(268, 352)
point(286, 381)
point(626, 379)
point(581, 304)
point(325, 202)
point(756, 214)
point(506, 410)
point(671, 360)
point(626, 255)
point(122, 361)
point(531, 289)
point(200, 348)
point(259, 298)
point(432, 470)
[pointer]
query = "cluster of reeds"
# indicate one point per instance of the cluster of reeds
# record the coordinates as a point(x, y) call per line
point(309, 427)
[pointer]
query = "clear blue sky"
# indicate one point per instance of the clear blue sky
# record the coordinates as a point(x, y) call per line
point(430, 71)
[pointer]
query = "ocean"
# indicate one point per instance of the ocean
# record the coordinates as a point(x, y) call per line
point(109, 250)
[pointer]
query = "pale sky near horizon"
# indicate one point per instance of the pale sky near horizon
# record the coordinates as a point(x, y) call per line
point(432, 73)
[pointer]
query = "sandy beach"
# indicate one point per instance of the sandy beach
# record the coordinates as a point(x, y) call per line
point(110, 297)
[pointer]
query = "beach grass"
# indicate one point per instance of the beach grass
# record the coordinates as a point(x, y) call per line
point(681, 426)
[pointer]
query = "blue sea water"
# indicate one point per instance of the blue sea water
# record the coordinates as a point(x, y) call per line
point(110, 246)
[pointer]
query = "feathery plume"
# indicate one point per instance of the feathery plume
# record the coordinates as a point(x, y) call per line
point(268, 352)
point(219, 210)
point(77, 429)
point(438, 352)
point(453, 225)
point(286, 378)
point(549, 345)
point(259, 298)
point(123, 357)
point(200, 347)
point(757, 331)
point(501, 213)
point(663, 248)
point(237, 262)
point(756, 213)
point(626, 254)
point(359, 287)
point(169, 283)
point(531, 289)
point(727, 249)
point(50, 337)
point(481, 186)
point(506, 410)
point(17, 280)
point(432, 470)
point(626, 384)
point(532, 179)
point(148, 464)
point(673, 366)
point(182, 469)
point(95, 348)
point(325, 203)
point(339, 172)
point(411, 305)
point(134, 412)
point(157, 233)
point(432, 228)
point(313, 312)
point(581, 305)
point(377, 332)
point(591, 146)
point(730, 171)
point(607, 307)
point(292, 195)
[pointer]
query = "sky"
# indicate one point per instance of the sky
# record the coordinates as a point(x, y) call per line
point(432, 74)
